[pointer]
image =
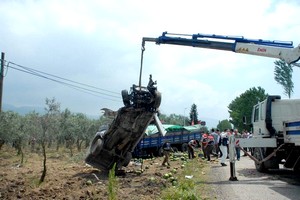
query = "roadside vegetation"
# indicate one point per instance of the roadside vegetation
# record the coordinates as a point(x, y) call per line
point(190, 184)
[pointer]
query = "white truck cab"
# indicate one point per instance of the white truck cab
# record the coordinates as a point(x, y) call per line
point(276, 121)
point(270, 115)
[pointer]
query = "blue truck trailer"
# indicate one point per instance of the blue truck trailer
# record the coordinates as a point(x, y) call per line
point(179, 136)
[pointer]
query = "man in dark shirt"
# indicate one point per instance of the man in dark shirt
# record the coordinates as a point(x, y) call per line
point(167, 149)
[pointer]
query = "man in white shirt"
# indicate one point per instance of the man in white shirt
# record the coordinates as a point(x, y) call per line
point(223, 146)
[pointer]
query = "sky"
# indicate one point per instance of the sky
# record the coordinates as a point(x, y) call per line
point(98, 43)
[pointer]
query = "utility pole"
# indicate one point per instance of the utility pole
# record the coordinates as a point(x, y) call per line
point(1, 79)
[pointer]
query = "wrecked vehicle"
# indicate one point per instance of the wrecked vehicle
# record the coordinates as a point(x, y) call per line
point(115, 143)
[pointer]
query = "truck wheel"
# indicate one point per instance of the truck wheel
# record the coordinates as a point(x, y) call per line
point(184, 147)
point(124, 162)
point(252, 151)
point(273, 162)
point(258, 153)
point(175, 149)
point(125, 97)
point(160, 152)
point(97, 145)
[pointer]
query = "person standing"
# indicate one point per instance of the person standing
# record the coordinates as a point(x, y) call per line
point(237, 149)
point(223, 146)
point(209, 146)
point(204, 141)
point(216, 139)
point(191, 145)
point(167, 149)
point(218, 146)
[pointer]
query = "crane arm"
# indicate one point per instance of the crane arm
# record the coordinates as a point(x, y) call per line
point(275, 49)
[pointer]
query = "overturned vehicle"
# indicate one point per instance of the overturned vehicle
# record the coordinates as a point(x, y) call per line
point(115, 144)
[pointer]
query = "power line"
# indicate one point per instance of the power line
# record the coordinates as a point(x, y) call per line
point(34, 70)
point(67, 82)
point(61, 82)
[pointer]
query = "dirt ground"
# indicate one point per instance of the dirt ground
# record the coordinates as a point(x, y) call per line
point(71, 178)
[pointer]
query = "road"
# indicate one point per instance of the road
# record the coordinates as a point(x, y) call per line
point(251, 185)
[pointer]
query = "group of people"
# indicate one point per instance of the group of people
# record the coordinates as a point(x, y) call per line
point(221, 144)
point(214, 143)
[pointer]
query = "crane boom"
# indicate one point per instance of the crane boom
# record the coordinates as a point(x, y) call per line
point(275, 49)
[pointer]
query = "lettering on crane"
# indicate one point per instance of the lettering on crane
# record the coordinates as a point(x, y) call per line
point(261, 49)
point(242, 50)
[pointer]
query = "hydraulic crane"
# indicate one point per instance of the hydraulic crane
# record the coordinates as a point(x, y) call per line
point(275, 49)
point(276, 130)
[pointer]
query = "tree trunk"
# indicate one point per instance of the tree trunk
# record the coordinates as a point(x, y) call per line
point(79, 143)
point(1, 143)
point(87, 143)
point(17, 145)
point(71, 150)
point(22, 157)
point(57, 145)
point(32, 145)
point(50, 143)
point(44, 163)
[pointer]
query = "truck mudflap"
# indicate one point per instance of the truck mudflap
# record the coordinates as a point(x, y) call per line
point(293, 160)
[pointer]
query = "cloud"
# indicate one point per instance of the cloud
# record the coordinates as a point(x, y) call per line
point(99, 43)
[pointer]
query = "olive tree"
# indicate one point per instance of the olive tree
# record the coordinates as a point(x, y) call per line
point(5, 127)
point(12, 131)
point(81, 129)
point(49, 123)
point(32, 128)
point(171, 119)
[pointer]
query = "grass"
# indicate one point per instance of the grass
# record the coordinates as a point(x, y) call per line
point(188, 189)
point(112, 184)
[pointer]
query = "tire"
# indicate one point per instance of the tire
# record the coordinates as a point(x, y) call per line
point(258, 153)
point(124, 162)
point(97, 145)
point(160, 152)
point(184, 147)
point(125, 97)
point(175, 149)
point(157, 100)
point(273, 162)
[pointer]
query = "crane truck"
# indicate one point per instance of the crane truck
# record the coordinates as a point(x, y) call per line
point(275, 121)
point(276, 133)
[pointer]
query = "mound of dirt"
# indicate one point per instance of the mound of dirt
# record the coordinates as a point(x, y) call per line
point(76, 180)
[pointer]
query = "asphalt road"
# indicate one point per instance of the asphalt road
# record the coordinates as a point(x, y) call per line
point(252, 185)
